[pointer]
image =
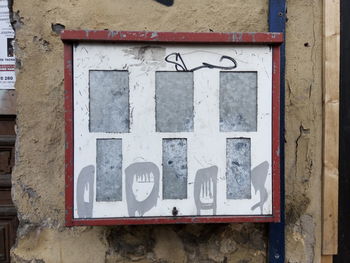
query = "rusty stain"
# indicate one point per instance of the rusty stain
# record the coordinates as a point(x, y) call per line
point(69, 65)
point(112, 34)
point(237, 37)
point(253, 36)
point(87, 33)
point(154, 35)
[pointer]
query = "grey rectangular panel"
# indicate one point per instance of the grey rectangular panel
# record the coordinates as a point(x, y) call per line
point(109, 101)
point(109, 170)
point(238, 101)
point(174, 101)
point(238, 179)
point(174, 168)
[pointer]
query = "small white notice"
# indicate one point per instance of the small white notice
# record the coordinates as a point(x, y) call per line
point(7, 59)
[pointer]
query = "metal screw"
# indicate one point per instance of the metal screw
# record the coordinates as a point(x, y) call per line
point(175, 211)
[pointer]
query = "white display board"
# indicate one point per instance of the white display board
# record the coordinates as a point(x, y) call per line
point(7, 59)
point(172, 130)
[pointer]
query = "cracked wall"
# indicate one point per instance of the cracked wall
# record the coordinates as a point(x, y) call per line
point(38, 179)
point(303, 130)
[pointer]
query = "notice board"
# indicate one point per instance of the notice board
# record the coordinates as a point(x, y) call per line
point(171, 127)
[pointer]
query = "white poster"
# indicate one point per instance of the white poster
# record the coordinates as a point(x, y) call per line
point(172, 130)
point(7, 59)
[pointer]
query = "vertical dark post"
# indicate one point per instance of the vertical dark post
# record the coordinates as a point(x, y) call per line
point(344, 137)
point(276, 247)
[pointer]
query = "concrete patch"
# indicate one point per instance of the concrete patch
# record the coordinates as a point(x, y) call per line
point(109, 101)
point(174, 168)
point(109, 170)
point(238, 101)
point(238, 168)
point(174, 101)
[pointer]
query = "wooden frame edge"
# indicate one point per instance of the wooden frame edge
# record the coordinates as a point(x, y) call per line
point(331, 73)
point(69, 147)
point(172, 37)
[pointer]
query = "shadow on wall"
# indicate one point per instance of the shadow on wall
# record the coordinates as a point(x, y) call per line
point(165, 2)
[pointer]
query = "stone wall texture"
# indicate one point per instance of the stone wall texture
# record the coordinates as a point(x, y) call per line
point(38, 179)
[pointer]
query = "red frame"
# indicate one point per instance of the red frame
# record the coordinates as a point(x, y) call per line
point(69, 37)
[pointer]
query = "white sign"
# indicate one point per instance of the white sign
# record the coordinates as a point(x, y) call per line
point(7, 59)
point(167, 130)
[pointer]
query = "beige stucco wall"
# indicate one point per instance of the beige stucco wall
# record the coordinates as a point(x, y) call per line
point(38, 179)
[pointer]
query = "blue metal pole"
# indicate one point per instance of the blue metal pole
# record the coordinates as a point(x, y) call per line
point(276, 243)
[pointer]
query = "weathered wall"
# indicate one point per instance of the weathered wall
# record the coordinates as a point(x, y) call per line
point(38, 180)
point(303, 130)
